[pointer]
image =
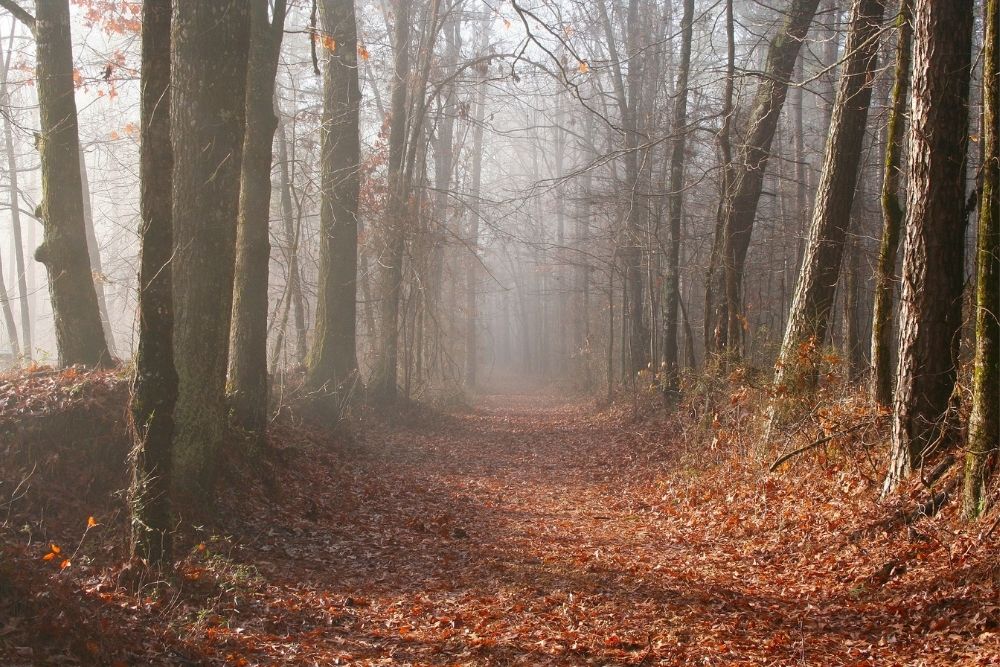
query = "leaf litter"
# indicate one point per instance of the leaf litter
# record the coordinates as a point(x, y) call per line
point(526, 531)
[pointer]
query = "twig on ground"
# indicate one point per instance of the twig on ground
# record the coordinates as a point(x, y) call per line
point(816, 443)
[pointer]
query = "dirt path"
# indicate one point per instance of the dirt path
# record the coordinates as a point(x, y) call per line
point(529, 531)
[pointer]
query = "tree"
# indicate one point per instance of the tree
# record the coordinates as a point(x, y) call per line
point(15, 213)
point(79, 335)
point(247, 384)
point(931, 311)
point(333, 362)
point(8, 317)
point(154, 388)
point(627, 93)
point(94, 253)
point(892, 216)
point(821, 265)
point(445, 154)
point(675, 200)
point(293, 287)
point(739, 208)
point(984, 422)
point(472, 263)
point(384, 382)
point(210, 49)
point(717, 334)
point(638, 339)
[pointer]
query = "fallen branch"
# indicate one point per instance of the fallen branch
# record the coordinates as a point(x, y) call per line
point(812, 445)
point(934, 504)
point(939, 470)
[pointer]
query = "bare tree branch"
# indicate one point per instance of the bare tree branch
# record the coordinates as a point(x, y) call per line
point(19, 13)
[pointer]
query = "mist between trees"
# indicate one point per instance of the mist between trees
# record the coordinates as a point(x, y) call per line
point(409, 200)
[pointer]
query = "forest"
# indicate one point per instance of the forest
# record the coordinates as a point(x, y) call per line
point(499, 332)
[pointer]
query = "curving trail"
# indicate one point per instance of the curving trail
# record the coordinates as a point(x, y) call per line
point(532, 531)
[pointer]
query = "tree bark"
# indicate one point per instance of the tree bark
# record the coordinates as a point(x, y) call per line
point(247, 386)
point(892, 217)
point(931, 312)
point(814, 294)
point(79, 335)
point(333, 364)
point(675, 202)
point(384, 384)
point(154, 388)
point(207, 110)
point(984, 422)
point(740, 202)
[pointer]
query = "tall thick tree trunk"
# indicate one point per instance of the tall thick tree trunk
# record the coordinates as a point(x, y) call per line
point(931, 312)
point(892, 216)
point(740, 202)
point(675, 202)
point(384, 382)
point(984, 422)
point(334, 359)
point(79, 335)
point(814, 294)
point(154, 388)
point(247, 386)
point(207, 109)
point(15, 217)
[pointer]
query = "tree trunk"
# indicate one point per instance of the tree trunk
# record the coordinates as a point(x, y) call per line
point(852, 308)
point(638, 341)
point(892, 217)
point(334, 360)
point(94, 253)
point(675, 202)
point(79, 335)
point(444, 161)
point(8, 318)
point(740, 205)
point(814, 294)
point(384, 382)
point(931, 313)
point(15, 216)
point(247, 387)
point(472, 262)
point(154, 388)
point(984, 422)
point(208, 93)
point(717, 293)
point(294, 287)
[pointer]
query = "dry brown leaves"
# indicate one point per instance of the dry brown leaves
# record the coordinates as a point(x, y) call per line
point(531, 531)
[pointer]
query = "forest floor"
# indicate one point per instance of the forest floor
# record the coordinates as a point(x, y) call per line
point(528, 530)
